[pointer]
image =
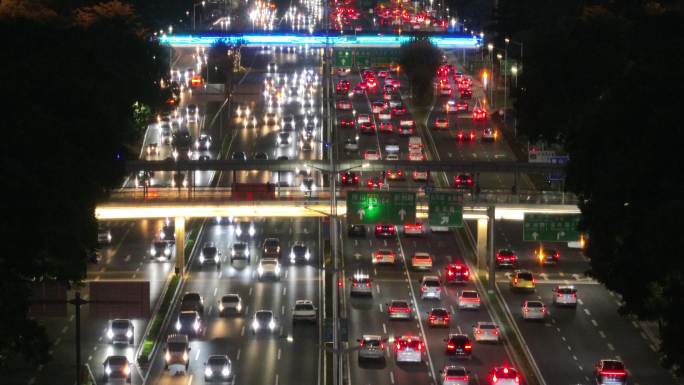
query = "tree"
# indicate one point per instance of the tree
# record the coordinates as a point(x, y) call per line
point(68, 126)
point(419, 58)
point(602, 84)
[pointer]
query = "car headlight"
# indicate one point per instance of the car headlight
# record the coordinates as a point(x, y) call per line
point(277, 270)
point(110, 334)
point(178, 325)
point(216, 258)
point(109, 237)
point(225, 372)
point(251, 231)
point(185, 356)
point(196, 325)
point(271, 325)
point(208, 372)
point(292, 256)
point(218, 219)
point(307, 256)
point(167, 357)
point(238, 307)
point(127, 370)
point(167, 251)
point(238, 231)
point(153, 251)
point(201, 258)
point(129, 333)
point(220, 307)
point(255, 325)
point(232, 253)
point(278, 249)
point(246, 252)
point(108, 370)
point(260, 270)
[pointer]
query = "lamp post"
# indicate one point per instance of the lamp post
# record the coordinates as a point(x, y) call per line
point(194, 13)
point(490, 48)
point(506, 40)
point(514, 72)
point(519, 43)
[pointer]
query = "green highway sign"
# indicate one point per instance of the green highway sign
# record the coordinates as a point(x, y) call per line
point(343, 58)
point(445, 209)
point(551, 227)
point(362, 59)
point(370, 207)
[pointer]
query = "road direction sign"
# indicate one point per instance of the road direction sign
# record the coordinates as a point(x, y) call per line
point(343, 58)
point(551, 227)
point(390, 207)
point(445, 209)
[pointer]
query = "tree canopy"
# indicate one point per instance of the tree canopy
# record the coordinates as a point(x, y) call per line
point(68, 124)
point(419, 58)
point(603, 81)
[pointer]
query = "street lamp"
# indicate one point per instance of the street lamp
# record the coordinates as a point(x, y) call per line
point(490, 47)
point(194, 13)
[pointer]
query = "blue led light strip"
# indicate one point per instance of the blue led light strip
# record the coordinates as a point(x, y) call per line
point(360, 41)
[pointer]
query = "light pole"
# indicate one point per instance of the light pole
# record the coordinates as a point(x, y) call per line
point(499, 56)
point(506, 40)
point(490, 47)
point(519, 43)
point(514, 72)
point(194, 14)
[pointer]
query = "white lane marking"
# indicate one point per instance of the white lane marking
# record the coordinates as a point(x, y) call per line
point(242, 332)
point(384, 328)
point(238, 355)
point(279, 352)
point(215, 291)
point(643, 335)
point(653, 347)
point(380, 306)
point(579, 301)
point(587, 311)
point(377, 288)
point(375, 271)
point(220, 274)
point(636, 325)
point(250, 291)
point(569, 348)
point(593, 322)
point(95, 348)
point(451, 307)
point(58, 340)
point(284, 290)
point(31, 380)
point(247, 309)
point(611, 347)
point(127, 258)
point(602, 334)
point(71, 318)
point(197, 354)
point(276, 379)
point(64, 329)
point(392, 377)
point(286, 273)
point(190, 380)
point(563, 338)
point(282, 310)
point(90, 358)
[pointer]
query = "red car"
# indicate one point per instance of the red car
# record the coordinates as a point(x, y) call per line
point(367, 128)
point(399, 110)
point(342, 87)
point(456, 273)
point(463, 137)
point(479, 114)
point(385, 127)
point(463, 181)
point(349, 178)
point(506, 257)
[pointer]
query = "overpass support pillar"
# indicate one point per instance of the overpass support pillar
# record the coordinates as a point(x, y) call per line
point(482, 227)
point(179, 225)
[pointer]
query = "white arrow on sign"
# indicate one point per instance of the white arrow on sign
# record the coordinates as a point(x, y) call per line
point(445, 221)
point(560, 235)
point(402, 214)
point(361, 213)
point(535, 235)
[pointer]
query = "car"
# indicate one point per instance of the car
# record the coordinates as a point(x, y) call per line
point(533, 310)
point(362, 118)
point(371, 347)
point(374, 182)
point(230, 304)
point(367, 128)
point(342, 87)
point(416, 155)
point(271, 248)
point(468, 299)
point(504, 375)
point(299, 253)
point(308, 184)
point(239, 251)
point(406, 126)
point(356, 230)
point(547, 256)
point(430, 287)
point(392, 146)
point(445, 90)
point(268, 268)
point(218, 368)
point(264, 320)
point(463, 180)
point(456, 272)
point(104, 235)
point(454, 375)
point(238, 155)
point(344, 105)
point(288, 120)
point(177, 351)
point(203, 142)
point(506, 258)
point(486, 332)
point(210, 254)
point(408, 349)
point(192, 302)
point(304, 310)
point(490, 135)
point(463, 136)
point(384, 231)
point(441, 123)
point(438, 316)
point(271, 118)
point(394, 174)
point(421, 176)
point(121, 331)
point(371, 155)
point(565, 295)
point(348, 178)
point(610, 372)
point(385, 115)
point(458, 345)
point(144, 179)
point(392, 156)
point(479, 114)
point(351, 144)
point(378, 106)
point(413, 229)
point(361, 284)
point(399, 110)
point(166, 135)
point(272, 67)
point(399, 309)
point(385, 127)
point(161, 250)
point(203, 157)
point(189, 323)
point(152, 149)
point(168, 233)
point(347, 123)
point(306, 144)
point(384, 256)
point(283, 138)
point(343, 71)
point(395, 103)
point(359, 89)
point(260, 156)
point(116, 367)
point(466, 93)
point(522, 280)
point(383, 74)
point(387, 94)
point(421, 261)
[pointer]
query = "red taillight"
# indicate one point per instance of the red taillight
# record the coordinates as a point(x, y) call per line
point(451, 346)
point(420, 346)
point(367, 284)
point(378, 228)
point(382, 345)
point(354, 284)
point(494, 379)
point(397, 346)
point(496, 332)
point(356, 178)
point(450, 273)
point(517, 379)
point(465, 273)
point(422, 289)
point(362, 342)
point(339, 282)
point(344, 178)
point(468, 347)
point(432, 318)
point(613, 373)
point(515, 281)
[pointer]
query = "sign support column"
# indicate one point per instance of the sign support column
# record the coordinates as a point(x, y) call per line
point(492, 273)
point(481, 245)
point(179, 226)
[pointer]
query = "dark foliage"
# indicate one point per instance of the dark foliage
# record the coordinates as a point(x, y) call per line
point(419, 58)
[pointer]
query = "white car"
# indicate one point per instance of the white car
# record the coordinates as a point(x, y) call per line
point(413, 229)
point(230, 304)
point(384, 256)
point(361, 285)
point(371, 155)
point(430, 287)
point(408, 349)
point(469, 299)
point(486, 332)
point(533, 310)
point(416, 156)
point(304, 310)
point(385, 115)
point(120, 331)
point(218, 368)
point(362, 118)
point(399, 309)
point(269, 267)
point(421, 261)
point(392, 156)
point(505, 376)
point(421, 176)
point(263, 320)
point(454, 375)
point(565, 296)
point(392, 147)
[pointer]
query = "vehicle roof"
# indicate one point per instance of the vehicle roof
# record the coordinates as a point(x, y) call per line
point(303, 302)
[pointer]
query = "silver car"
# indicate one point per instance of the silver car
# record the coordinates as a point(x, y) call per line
point(263, 320)
point(210, 254)
point(486, 332)
point(361, 285)
point(454, 375)
point(218, 368)
point(372, 348)
point(565, 296)
point(533, 310)
point(230, 304)
point(177, 351)
point(239, 250)
point(304, 310)
point(469, 299)
point(269, 267)
point(430, 287)
point(120, 331)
